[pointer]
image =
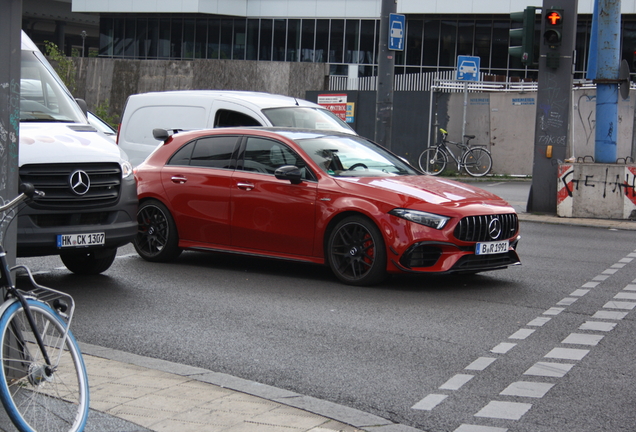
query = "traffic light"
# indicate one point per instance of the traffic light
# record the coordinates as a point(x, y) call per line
point(552, 36)
point(523, 36)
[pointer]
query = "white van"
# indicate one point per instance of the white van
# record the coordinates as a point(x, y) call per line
point(90, 203)
point(201, 109)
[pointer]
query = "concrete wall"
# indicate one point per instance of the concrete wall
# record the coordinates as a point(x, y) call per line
point(99, 80)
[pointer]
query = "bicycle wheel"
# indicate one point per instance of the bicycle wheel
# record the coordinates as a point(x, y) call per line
point(477, 162)
point(37, 399)
point(433, 161)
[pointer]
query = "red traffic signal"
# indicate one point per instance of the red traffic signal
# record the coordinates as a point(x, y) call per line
point(554, 17)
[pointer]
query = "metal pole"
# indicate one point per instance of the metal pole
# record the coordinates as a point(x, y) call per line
point(10, 34)
point(386, 71)
point(608, 64)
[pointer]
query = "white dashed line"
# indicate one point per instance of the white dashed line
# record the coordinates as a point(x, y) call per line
point(553, 311)
point(477, 428)
point(456, 382)
point(590, 285)
point(480, 364)
point(597, 326)
point(619, 305)
point(580, 292)
point(538, 322)
point(546, 369)
point(521, 334)
point(567, 353)
point(504, 410)
point(503, 348)
point(603, 314)
point(429, 402)
point(527, 389)
point(583, 339)
point(567, 301)
point(625, 296)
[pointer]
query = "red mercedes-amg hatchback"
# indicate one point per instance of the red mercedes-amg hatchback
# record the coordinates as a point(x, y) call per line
point(319, 197)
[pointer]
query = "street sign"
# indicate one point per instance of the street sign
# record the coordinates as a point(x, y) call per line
point(396, 32)
point(468, 68)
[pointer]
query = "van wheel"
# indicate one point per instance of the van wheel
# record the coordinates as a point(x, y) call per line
point(89, 262)
point(157, 238)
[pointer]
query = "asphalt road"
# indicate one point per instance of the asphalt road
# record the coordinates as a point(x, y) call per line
point(387, 350)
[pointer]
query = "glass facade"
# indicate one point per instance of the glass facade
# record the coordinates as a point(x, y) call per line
point(431, 43)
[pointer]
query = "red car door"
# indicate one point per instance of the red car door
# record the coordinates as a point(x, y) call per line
point(198, 181)
point(268, 214)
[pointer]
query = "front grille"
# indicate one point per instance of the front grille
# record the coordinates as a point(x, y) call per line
point(469, 263)
point(478, 228)
point(421, 256)
point(53, 180)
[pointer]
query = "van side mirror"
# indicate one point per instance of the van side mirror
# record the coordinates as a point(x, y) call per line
point(83, 105)
point(289, 172)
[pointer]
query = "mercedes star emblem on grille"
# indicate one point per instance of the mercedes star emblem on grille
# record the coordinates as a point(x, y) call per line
point(494, 228)
point(79, 182)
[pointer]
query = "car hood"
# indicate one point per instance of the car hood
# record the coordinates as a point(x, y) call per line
point(424, 189)
point(64, 142)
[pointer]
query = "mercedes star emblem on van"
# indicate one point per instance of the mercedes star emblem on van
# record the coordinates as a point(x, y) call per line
point(79, 182)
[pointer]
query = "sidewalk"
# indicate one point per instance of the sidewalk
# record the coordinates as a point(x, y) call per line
point(131, 393)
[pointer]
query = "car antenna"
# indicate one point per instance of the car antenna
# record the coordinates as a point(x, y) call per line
point(296, 100)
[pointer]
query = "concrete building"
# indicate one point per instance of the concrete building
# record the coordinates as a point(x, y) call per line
point(341, 33)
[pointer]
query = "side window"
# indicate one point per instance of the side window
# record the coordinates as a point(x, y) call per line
point(265, 156)
point(228, 118)
point(209, 152)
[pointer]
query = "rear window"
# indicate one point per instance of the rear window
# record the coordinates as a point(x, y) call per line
point(306, 118)
point(145, 119)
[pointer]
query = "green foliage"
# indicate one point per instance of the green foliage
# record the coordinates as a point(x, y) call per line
point(102, 111)
point(64, 66)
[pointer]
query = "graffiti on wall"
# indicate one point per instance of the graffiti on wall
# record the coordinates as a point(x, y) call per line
point(605, 185)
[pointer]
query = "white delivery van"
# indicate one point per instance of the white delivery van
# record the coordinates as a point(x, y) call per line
point(201, 109)
point(90, 203)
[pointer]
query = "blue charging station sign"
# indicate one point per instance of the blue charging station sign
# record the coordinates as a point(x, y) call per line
point(397, 27)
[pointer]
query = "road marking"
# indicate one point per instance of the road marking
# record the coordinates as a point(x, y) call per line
point(603, 314)
point(553, 311)
point(429, 402)
point(590, 285)
point(600, 278)
point(456, 382)
point(568, 301)
point(547, 369)
point(597, 326)
point(583, 339)
point(504, 410)
point(527, 389)
point(503, 348)
point(625, 296)
point(630, 287)
point(567, 353)
point(538, 322)
point(618, 265)
point(619, 305)
point(477, 428)
point(580, 292)
point(521, 334)
point(480, 364)
point(610, 271)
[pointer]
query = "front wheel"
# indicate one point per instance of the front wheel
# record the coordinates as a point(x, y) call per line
point(38, 397)
point(433, 161)
point(477, 162)
point(356, 252)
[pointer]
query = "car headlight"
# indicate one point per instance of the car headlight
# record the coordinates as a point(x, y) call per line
point(423, 218)
point(126, 169)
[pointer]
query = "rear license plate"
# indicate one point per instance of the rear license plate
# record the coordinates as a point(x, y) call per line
point(490, 248)
point(80, 240)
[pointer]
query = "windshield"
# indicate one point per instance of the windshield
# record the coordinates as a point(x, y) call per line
point(344, 156)
point(42, 97)
point(306, 118)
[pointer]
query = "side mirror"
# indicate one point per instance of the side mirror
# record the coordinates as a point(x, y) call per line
point(289, 172)
point(160, 134)
point(83, 106)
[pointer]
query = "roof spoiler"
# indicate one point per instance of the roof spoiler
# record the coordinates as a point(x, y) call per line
point(163, 134)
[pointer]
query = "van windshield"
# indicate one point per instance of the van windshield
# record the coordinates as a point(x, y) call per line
point(42, 97)
point(306, 118)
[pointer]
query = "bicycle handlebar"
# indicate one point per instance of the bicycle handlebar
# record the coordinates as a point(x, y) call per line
point(27, 191)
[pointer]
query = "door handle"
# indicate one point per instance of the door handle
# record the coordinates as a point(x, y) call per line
point(245, 186)
point(179, 179)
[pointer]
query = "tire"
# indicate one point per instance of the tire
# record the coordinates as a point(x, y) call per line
point(477, 162)
point(34, 400)
point(89, 262)
point(356, 252)
point(157, 239)
point(433, 161)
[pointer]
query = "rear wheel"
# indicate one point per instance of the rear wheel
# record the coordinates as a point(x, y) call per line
point(157, 239)
point(356, 252)
point(91, 262)
point(477, 162)
point(433, 161)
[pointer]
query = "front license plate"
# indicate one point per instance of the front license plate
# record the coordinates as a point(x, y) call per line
point(80, 240)
point(490, 248)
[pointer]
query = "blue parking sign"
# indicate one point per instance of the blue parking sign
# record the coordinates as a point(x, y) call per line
point(468, 68)
point(396, 32)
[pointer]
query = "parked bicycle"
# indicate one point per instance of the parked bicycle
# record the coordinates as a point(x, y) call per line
point(43, 381)
point(475, 160)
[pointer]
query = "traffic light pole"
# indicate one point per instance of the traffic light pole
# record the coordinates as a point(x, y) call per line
point(554, 101)
point(386, 66)
point(10, 22)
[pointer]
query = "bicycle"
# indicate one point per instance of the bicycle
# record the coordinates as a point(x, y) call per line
point(43, 380)
point(477, 161)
